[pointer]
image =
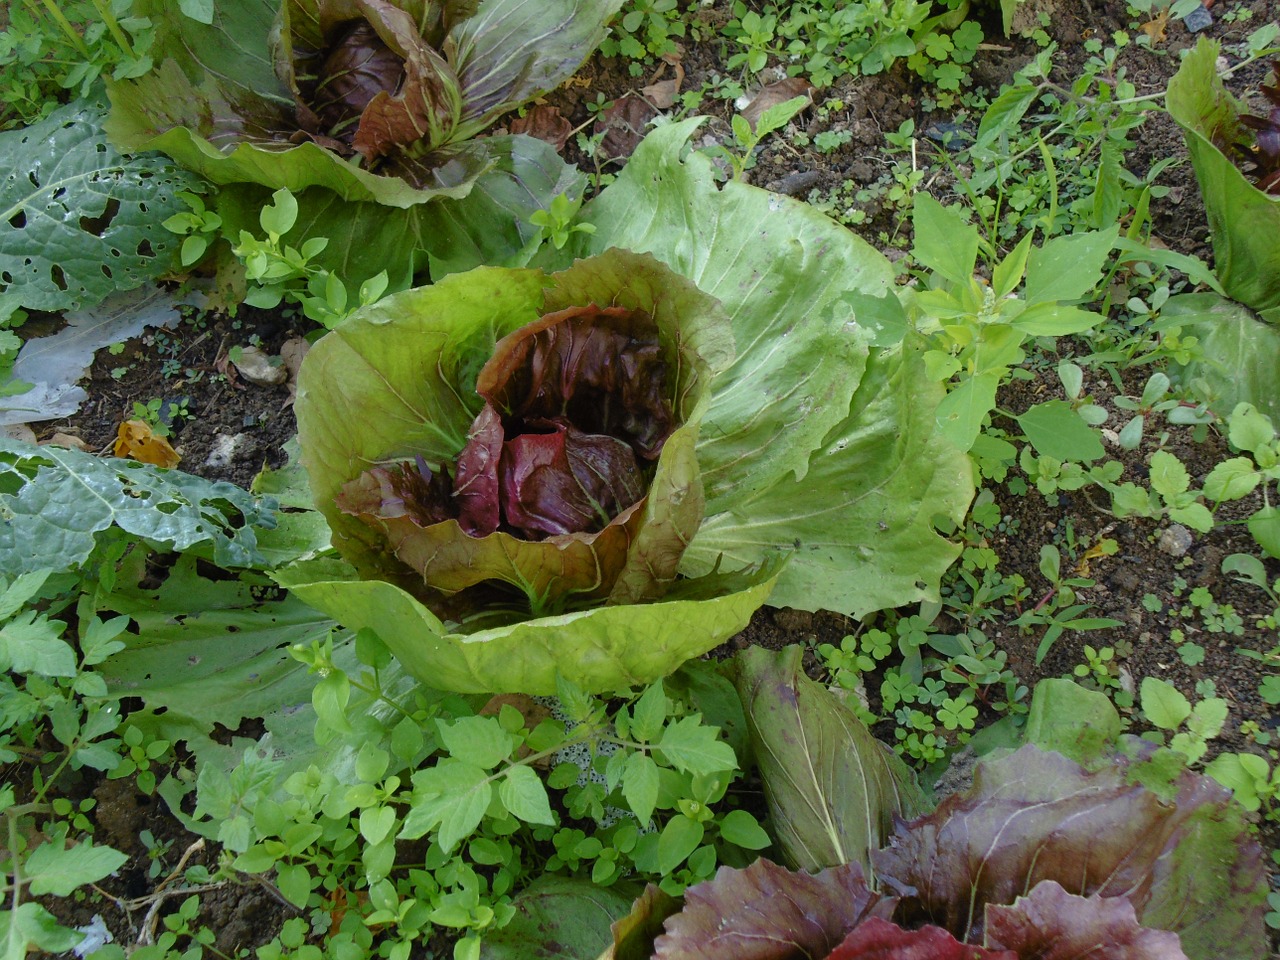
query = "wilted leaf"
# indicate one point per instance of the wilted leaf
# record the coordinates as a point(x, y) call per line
point(624, 125)
point(545, 122)
point(773, 94)
point(633, 935)
point(136, 439)
point(833, 789)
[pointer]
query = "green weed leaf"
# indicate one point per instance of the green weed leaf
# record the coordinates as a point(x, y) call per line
point(524, 795)
point(1163, 704)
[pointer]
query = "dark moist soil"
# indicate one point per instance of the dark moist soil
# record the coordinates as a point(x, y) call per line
point(185, 362)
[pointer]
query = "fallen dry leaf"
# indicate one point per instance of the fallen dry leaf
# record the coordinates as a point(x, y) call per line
point(257, 367)
point(135, 439)
point(774, 94)
point(70, 441)
point(624, 126)
point(1155, 27)
point(662, 93)
point(19, 431)
point(546, 123)
point(293, 351)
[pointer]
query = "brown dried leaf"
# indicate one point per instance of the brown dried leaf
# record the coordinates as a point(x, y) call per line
point(70, 441)
point(293, 351)
point(546, 123)
point(135, 439)
point(1155, 27)
point(774, 94)
point(624, 126)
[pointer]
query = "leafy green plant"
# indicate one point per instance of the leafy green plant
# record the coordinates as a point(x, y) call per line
point(83, 220)
point(1057, 610)
point(430, 86)
point(977, 331)
point(854, 369)
point(741, 155)
point(279, 270)
point(50, 49)
point(1168, 710)
point(645, 29)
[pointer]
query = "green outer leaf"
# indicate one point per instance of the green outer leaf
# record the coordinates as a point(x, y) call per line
point(833, 790)
point(490, 226)
point(861, 523)
point(559, 918)
point(65, 497)
point(1057, 431)
point(512, 51)
point(1241, 353)
point(604, 649)
point(780, 268)
point(853, 473)
point(1243, 221)
point(76, 177)
point(1075, 721)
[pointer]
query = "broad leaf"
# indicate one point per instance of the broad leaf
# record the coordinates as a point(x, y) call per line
point(559, 918)
point(604, 649)
point(1243, 221)
point(833, 790)
point(782, 271)
point(56, 501)
point(78, 221)
point(1238, 356)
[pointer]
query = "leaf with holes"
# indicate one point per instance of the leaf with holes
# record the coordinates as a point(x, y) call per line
point(79, 221)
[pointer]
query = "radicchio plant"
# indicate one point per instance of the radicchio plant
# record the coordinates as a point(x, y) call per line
point(290, 93)
point(1040, 858)
point(595, 467)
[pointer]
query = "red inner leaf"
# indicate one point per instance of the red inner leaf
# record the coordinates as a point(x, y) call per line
point(356, 69)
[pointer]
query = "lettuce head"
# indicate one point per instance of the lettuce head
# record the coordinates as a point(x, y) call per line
point(601, 466)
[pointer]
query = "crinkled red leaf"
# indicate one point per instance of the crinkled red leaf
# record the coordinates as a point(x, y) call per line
point(1052, 924)
point(600, 368)
point(357, 67)
point(876, 939)
point(409, 491)
point(475, 485)
point(566, 481)
point(767, 912)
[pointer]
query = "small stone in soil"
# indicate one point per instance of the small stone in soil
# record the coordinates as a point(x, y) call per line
point(1198, 19)
point(224, 450)
point(1175, 541)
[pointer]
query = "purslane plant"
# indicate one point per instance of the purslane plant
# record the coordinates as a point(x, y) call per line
point(596, 469)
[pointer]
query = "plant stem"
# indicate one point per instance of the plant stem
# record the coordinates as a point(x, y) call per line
point(77, 41)
point(113, 26)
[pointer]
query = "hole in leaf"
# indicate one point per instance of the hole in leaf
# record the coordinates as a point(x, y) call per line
point(18, 220)
point(59, 193)
point(35, 181)
point(98, 225)
point(144, 249)
point(58, 277)
point(106, 271)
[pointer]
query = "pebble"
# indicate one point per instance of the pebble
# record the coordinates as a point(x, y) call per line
point(1176, 540)
point(795, 184)
point(223, 450)
point(1198, 19)
point(256, 367)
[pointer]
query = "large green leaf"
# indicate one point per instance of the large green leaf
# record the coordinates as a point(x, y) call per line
point(1244, 222)
point(559, 918)
point(861, 523)
point(55, 501)
point(216, 653)
point(77, 220)
point(833, 789)
point(489, 227)
point(1239, 353)
point(601, 650)
point(814, 442)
